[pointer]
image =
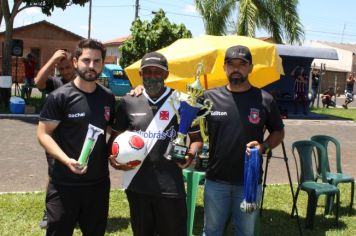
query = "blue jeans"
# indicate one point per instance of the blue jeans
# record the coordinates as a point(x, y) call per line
point(222, 200)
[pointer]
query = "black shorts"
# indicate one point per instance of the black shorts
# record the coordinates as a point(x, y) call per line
point(87, 205)
point(151, 215)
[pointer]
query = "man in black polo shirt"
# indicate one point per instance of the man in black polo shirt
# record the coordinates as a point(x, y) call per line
point(156, 193)
point(237, 121)
point(78, 193)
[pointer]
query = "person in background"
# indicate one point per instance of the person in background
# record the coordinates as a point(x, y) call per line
point(349, 91)
point(156, 193)
point(78, 193)
point(237, 121)
point(45, 81)
point(314, 86)
point(30, 70)
point(327, 96)
point(300, 82)
point(62, 61)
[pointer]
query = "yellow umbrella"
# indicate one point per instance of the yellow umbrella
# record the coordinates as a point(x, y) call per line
point(185, 54)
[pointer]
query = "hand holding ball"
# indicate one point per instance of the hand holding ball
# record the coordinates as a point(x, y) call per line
point(129, 148)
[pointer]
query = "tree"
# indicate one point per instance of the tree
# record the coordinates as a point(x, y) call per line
point(47, 6)
point(150, 36)
point(215, 14)
point(277, 17)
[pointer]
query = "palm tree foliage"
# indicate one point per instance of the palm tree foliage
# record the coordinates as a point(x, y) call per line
point(277, 17)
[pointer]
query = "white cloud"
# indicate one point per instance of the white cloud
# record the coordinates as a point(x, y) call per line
point(190, 9)
point(33, 11)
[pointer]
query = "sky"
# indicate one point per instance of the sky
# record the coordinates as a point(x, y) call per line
point(323, 20)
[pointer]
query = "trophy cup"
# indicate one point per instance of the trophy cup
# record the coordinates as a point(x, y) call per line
point(190, 104)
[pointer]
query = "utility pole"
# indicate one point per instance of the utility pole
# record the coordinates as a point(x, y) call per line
point(342, 35)
point(89, 22)
point(137, 8)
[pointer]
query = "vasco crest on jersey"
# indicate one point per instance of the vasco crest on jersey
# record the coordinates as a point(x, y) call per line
point(107, 113)
point(254, 116)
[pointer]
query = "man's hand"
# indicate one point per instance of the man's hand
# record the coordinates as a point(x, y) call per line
point(119, 166)
point(59, 55)
point(75, 166)
point(254, 144)
point(188, 160)
point(137, 91)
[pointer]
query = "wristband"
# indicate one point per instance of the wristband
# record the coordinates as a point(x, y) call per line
point(266, 148)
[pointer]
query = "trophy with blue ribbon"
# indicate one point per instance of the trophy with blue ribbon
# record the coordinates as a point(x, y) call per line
point(187, 114)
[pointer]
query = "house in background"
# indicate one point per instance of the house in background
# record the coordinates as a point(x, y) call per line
point(41, 39)
point(336, 71)
point(112, 49)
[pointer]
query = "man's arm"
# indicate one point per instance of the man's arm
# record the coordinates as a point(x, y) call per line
point(45, 71)
point(44, 136)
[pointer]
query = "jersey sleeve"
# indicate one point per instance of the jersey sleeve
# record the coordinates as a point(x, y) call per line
point(274, 120)
point(52, 109)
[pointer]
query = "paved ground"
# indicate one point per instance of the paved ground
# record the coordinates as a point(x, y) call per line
point(23, 165)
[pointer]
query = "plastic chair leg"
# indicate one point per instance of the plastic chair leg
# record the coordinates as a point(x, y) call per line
point(311, 209)
point(329, 204)
point(193, 178)
point(337, 208)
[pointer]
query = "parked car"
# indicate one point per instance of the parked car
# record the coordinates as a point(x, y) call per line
point(114, 78)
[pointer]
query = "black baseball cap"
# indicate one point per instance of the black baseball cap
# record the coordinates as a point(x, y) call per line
point(154, 59)
point(238, 52)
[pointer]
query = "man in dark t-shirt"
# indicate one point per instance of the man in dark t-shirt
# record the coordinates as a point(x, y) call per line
point(78, 192)
point(156, 193)
point(236, 123)
point(62, 60)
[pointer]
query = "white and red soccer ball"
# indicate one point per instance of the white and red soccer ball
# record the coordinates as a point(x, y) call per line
point(129, 148)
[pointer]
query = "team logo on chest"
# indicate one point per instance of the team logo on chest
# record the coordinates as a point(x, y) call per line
point(254, 116)
point(107, 113)
point(164, 115)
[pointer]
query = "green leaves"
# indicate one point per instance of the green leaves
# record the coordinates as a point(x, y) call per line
point(150, 36)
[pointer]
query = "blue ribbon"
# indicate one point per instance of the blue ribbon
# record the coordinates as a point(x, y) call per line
point(251, 175)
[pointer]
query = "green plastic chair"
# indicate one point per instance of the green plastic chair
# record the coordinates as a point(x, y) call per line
point(337, 177)
point(193, 179)
point(307, 179)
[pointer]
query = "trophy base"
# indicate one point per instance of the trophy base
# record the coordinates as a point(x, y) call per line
point(202, 162)
point(176, 152)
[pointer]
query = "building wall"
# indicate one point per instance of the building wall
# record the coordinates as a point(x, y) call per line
point(45, 39)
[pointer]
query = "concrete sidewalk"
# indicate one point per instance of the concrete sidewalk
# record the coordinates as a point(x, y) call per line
point(23, 165)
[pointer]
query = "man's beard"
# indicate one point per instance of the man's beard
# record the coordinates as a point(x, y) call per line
point(236, 80)
point(85, 75)
point(153, 86)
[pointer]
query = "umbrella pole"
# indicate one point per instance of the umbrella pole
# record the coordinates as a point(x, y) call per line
point(205, 81)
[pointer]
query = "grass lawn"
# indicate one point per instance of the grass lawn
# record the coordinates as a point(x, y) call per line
point(21, 212)
point(337, 113)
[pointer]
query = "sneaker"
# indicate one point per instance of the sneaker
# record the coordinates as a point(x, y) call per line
point(43, 223)
point(344, 106)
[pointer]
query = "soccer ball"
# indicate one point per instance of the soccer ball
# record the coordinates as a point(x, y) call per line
point(129, 148)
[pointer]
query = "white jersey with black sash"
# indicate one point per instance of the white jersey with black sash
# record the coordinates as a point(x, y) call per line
point(157, 176)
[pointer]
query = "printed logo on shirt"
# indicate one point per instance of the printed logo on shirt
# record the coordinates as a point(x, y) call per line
point(162, 135)
point(76, 115)
point(138, 114)
point(218, 113)
point(107, 113)
point(254, 116)
point(164, 115)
